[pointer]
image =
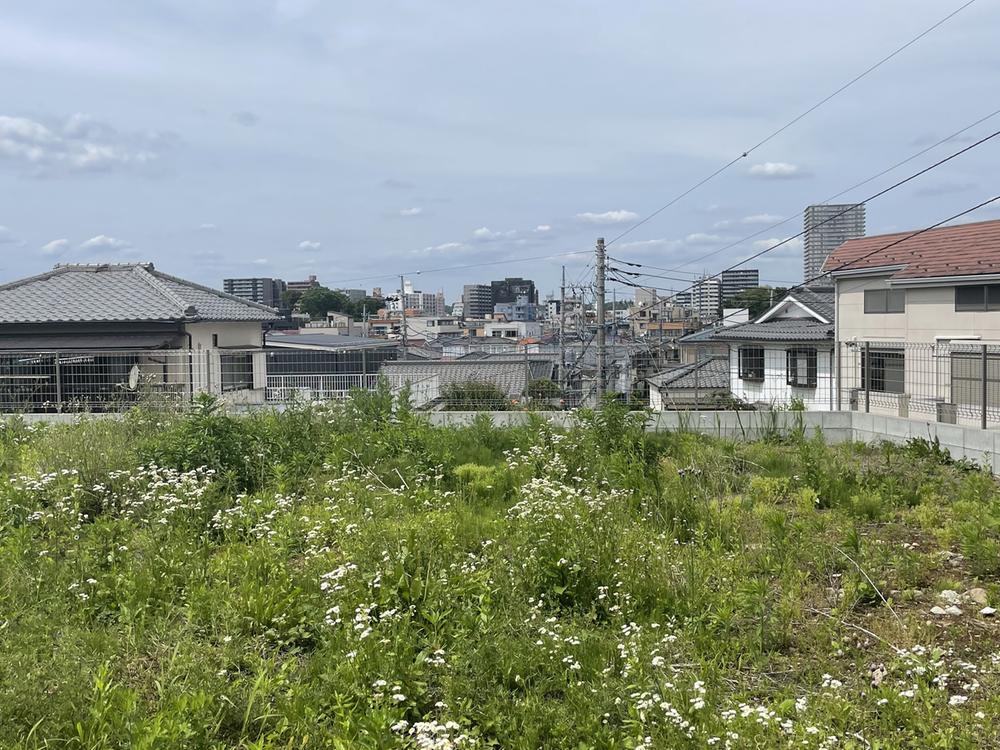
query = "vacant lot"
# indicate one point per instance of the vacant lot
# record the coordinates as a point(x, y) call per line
point(349, 577)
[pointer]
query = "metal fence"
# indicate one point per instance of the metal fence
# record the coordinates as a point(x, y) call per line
point(955, 382)
point(113, 381)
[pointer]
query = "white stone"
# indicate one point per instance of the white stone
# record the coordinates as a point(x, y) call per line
point(950, 597)
point(987, 611)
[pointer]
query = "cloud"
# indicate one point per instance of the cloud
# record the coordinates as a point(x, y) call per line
point(702, 238)
point(650, 246)
point(56, 247)
point(620, 216)
point(310, 245)
point(207, 228)
point(415, 211)
point(776, 170)
point(484, 233)
point(104, 242)
point(6, 236)
point(77, 145)
point(245, 118)
point(392, 183)
point(761, 219)
point(792, 246)
point(542, 228)
point(260, 261)
point(447, 247)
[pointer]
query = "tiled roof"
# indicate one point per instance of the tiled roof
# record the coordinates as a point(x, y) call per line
point(818, 299)
point(779, 329)
point(133, 292)
point(710, 374)
point(960, 250)
point(509, 376)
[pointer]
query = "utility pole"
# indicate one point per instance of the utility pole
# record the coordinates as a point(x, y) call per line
point(562, 331)
point(602, 354)
point(402, 309)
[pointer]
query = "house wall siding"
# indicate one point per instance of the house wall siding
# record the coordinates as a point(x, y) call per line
point(774, 389)
point(929, 313)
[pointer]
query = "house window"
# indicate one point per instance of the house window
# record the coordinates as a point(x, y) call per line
point(751, 362)
point(802, 367)
point(967, 379)
point(977, 298)
point(215, 340)
point(237, 371)
point(886, 373)
point(885, 301)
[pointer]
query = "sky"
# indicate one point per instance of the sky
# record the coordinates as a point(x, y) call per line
point(360, 140)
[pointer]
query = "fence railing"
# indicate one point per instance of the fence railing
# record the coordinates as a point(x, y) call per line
point(316, 387)
point(953, 381)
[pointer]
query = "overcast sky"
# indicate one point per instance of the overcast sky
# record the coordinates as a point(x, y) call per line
point(360, 140)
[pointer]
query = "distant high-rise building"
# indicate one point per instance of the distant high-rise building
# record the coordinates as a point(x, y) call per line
point(706, 298)
point(426, 304)
point(302, 286)
point(738, 280)
point(508, 290)
point(354, 295)
point(477, 301)
point(263, 291)
point(827, 227)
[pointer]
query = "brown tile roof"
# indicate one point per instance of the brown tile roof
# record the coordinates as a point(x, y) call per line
point(960, 250)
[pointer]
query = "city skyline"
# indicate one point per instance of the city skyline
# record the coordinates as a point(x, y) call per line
point(224, 161)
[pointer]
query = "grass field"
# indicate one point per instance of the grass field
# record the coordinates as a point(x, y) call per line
point(350, 577)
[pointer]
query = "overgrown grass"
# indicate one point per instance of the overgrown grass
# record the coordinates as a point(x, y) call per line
point(350, 577)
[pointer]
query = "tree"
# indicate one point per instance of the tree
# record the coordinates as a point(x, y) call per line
point(757, 299)
point(319, 300)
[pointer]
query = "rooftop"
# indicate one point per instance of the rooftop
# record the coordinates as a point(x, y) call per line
point(710, 374)
point(959, 250)
point(118, 293)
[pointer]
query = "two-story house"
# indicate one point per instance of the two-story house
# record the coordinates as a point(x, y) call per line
point(918, 322)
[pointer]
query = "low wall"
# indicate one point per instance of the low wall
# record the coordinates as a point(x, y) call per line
point(972, 443)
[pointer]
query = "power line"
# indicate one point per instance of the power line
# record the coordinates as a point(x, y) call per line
point(850, 207)
point(791, 122)
point(772, 227)
point(895, 242)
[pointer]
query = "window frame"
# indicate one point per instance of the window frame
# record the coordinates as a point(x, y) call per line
point(751, 370)
point(792, 366)
point(236, 371)
point(986, 294)
point(878, 382)
point(879, 301)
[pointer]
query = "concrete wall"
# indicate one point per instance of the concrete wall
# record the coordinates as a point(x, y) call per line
point(974, 444)
point(979, 446)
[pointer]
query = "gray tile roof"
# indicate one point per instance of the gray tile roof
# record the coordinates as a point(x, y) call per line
point(710, 374)
point(127, 292)
point(509, 376)
point(818, 299)
point(782, 329)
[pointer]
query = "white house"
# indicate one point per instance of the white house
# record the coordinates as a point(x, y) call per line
point(512, 329)
point(787, 354)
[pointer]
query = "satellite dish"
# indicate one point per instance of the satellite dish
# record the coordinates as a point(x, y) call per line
point(133, 378)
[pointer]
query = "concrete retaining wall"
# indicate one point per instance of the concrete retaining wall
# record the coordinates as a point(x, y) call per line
point(972, 443)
